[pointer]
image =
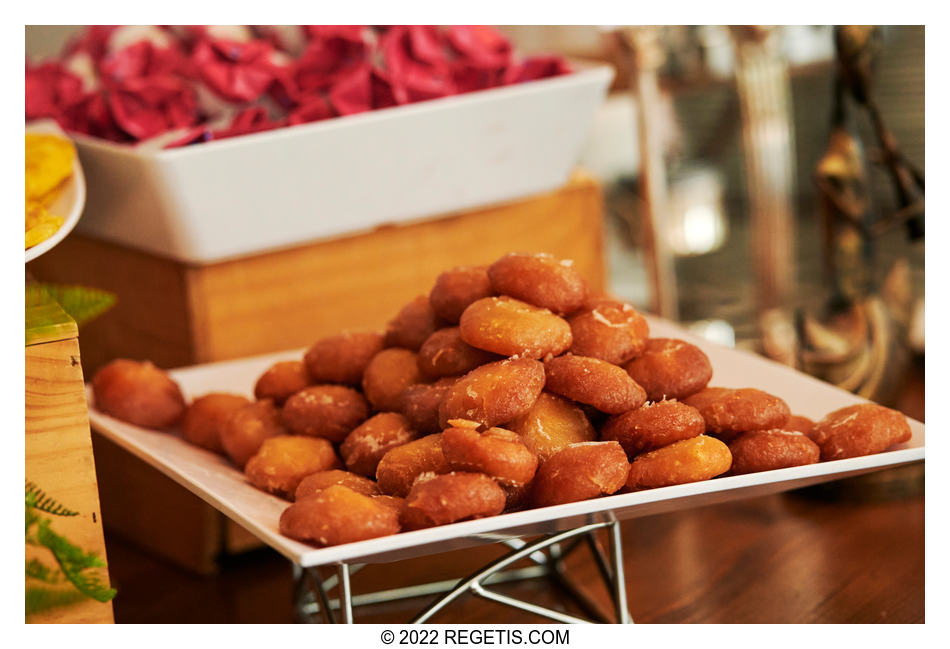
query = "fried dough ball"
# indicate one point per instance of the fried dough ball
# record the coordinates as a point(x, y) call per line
point(552, 424)
point(670, 369)
point(412, 325)
point(729, 412)
point(322, 479)
point(764, 450)
point(541, 280)
point(248, 427)
point(401, 465)
point(800, 423)
point(139, 393)
point(282, 380)
point(393, 502)
point(510, 327)
point(389, 373)
point(444, 353)
point(609, 330)
point(654, 425)
point(283, 461)
point(366, 445)
point(580, 472)
point(494, 393)
point(206, 417)
point(456, 496)
point(517, 497)
point(458, 287)
point(338, 515)
point(329, 411)
point(861, 429)
point(689, 460)
point(597, 383)
point(342, 358)
point(496, 452)
point(420, 404)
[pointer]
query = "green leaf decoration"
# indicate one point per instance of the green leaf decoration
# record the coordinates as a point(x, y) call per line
point(37, 498)
point(74, 563)
point(39, 570)
point(39, 599)
point(81, 303)
point(31, 519)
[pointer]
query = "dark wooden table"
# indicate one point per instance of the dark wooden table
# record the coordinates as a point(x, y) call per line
point(851, 551)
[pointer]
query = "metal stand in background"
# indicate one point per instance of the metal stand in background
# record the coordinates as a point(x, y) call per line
point(546, 553)
point(768, 147)
point(642, 48)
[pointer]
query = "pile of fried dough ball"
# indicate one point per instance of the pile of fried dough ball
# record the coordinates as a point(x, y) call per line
point(507, 387)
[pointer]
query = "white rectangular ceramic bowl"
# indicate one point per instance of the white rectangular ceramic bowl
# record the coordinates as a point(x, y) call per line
point(250, 194)
point(215, 480)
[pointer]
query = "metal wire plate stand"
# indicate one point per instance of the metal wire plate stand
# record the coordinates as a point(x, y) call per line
point(547, 553)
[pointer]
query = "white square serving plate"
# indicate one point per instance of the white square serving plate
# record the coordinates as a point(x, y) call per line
point(255, 193)
point(215, 480)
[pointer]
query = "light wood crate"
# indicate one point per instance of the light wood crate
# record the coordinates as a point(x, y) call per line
point(59, 458)
point(176, 314)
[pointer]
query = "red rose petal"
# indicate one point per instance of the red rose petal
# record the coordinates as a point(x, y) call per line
point(384, 94)
point(291, 39)
point(249, 120)
point(50, 89)
point(330, 55)
point(143, 59)
point(146, 107)
point(152, 87)
point(237, 72)
point(480, 45)
point(93, 116)
point(314, 110)
point(410, 79)
point(425, 42)
point(537, 67)
point(353, 93)
point(94, 40)
point(469, 79)
point(352, 33)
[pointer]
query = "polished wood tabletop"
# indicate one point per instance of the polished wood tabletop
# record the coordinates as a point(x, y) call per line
point(846, 552)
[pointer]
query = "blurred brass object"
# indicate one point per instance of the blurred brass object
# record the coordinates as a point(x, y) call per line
point(858, 339)
point(859, 349)
point(859, 342)
point(858, 48)
point(844, 208)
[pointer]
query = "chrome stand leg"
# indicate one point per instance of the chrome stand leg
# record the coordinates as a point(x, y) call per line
point(547, 555)
point(303, 596)
point(476, 582)
point(320, 587)
point(619, 581)
point(346, 597)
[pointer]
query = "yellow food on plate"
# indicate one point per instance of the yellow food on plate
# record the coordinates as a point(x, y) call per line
point(40, 224)
point(49, 163)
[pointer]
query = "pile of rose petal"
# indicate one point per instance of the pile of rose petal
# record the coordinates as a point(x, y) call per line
point(173, 86)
